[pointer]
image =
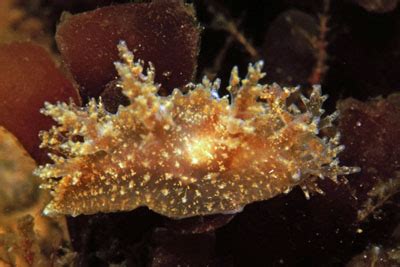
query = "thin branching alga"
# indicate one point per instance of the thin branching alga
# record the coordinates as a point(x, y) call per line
point(186, 155)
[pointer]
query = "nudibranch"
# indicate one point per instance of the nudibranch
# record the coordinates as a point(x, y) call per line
point(186, 154)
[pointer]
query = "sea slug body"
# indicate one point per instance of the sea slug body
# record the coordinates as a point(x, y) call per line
point(186, 154)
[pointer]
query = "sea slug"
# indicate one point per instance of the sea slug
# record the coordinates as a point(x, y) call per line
point(187, 154)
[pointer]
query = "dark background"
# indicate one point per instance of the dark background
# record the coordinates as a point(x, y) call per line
point(358, 55)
